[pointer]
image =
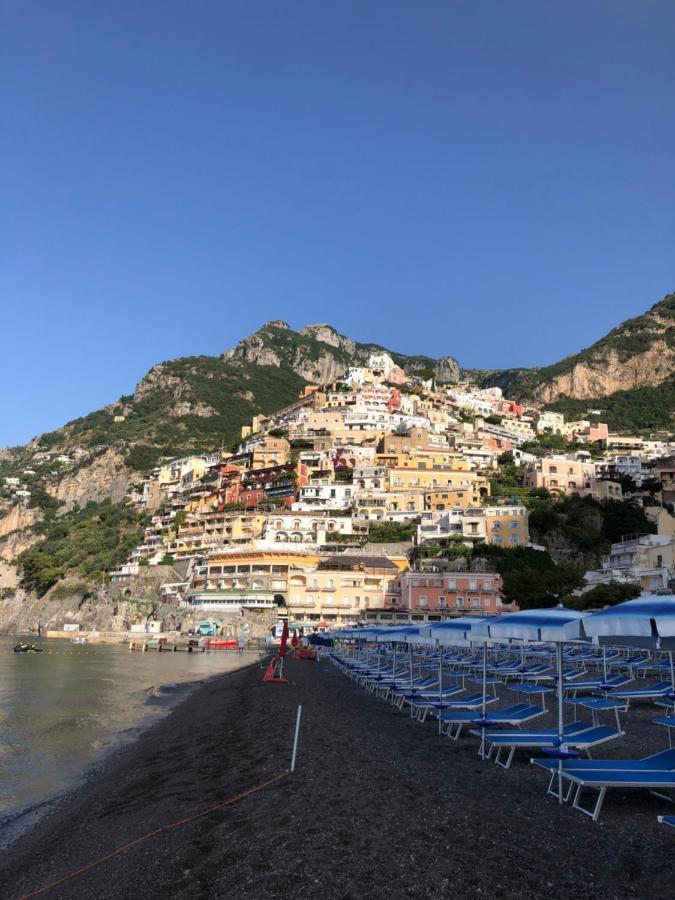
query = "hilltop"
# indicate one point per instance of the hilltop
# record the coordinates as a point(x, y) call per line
point(639, 353)
point(198, 402)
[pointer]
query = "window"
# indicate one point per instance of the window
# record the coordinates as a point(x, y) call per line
point(487, 584)
point(441, 602)
point(475, 603)
point(487, 602)
point(553, 469)
point(452, 584)
point(514, 539)
point(423, 602)
point(330, 583)
point(315, 584)
point(472, 584)
point(513, 525)
point(496, 526)
point(459, 603)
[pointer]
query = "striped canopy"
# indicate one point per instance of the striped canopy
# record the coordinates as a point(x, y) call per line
point(648, 622)
point(557, 624)
point(406, 634)
point(453, 632)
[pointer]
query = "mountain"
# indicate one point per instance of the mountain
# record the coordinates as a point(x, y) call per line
point(198, 402)
point(638, 354)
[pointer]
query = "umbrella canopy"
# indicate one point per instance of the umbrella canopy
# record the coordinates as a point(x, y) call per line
point(456, 631)
point(407, 634)
point(648, 622)
point(554, 625)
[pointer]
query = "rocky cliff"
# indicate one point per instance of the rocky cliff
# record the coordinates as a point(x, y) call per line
point(639, 353)
point(105, 477)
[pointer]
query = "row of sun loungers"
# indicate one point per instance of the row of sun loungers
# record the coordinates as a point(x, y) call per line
point(503, 733)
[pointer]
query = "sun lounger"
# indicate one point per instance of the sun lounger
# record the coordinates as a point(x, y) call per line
point(594, 684)
point(667, 820)
point(454, 719)
point(654, 773)
point(652, 692)
point(579, 736)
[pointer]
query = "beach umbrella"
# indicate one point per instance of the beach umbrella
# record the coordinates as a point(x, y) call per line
point(453, 633)
point(407, 634)
point(557, 625)
point(646, 623)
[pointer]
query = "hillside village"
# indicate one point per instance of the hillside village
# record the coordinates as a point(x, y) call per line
point(380, 497)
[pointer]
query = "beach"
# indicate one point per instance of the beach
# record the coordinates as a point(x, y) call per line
point(379, 806)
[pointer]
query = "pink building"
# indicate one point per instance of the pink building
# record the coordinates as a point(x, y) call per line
point(452, 593)
point(592, 433)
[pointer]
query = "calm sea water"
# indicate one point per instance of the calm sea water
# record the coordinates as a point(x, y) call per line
point(62, 709)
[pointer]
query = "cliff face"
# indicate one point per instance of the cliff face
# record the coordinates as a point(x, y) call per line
point(638, 353)
point(106, 476)
point(609, 373)
point(18, 518)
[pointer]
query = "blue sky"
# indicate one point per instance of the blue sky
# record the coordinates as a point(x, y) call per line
point(487, 179)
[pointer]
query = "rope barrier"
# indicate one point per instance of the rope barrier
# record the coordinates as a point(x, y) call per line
point(145, 837)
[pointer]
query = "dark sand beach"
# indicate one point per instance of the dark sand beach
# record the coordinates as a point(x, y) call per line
point(379, 806)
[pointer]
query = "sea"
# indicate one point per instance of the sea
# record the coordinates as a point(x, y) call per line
point(63, 709)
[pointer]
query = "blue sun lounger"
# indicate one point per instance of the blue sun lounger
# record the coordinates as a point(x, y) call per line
point(452, 721)
point(595, 684)
point(654, 773)
point(580, 736)
point(651, 692)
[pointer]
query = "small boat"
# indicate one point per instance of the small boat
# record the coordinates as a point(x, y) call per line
point(26, 648)
point(79, 640)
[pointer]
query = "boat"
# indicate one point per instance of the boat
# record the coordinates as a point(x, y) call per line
point(26, 648)
point(79, 640)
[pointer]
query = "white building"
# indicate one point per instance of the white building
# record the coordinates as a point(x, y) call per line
point(325, 495)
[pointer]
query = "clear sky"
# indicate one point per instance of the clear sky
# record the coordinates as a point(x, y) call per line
point(490, 179)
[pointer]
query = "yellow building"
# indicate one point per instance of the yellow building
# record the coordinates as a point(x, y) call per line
point(335, 589)
point(272, 451)
point(453, 498)
point(435, 479)
point(424, 459)
point(206, 530)
point(506, 525)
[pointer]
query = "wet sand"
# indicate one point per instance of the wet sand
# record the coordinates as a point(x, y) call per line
point(379, 806)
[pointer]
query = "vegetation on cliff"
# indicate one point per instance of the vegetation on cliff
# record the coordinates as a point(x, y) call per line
point(638, 410)
point(628, 340)
point(89, 542)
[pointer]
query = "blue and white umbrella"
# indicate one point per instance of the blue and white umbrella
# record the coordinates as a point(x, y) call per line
point(406, 634)
point(557, 625)
point(461, 632)
point(648, 623)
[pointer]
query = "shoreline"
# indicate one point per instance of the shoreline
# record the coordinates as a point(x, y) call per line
point(160, 701)
point(379, 806)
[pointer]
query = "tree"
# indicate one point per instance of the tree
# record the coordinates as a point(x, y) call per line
point(605, 595)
